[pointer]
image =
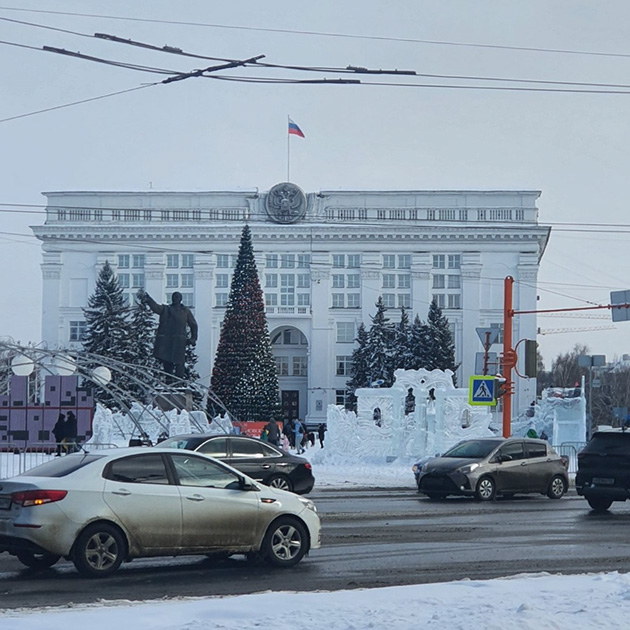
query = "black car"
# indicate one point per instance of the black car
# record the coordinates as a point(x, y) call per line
point(259, 460)
point(603, 474)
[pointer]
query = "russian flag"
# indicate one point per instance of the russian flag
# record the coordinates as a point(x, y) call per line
point(295, 130)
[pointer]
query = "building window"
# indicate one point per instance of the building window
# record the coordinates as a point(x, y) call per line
point(404, 299)
point(123, 280)
point(304, 281)
point(353, 281)
point(354, 261)
point(287, 289)
point(222, 299)
point(188, 261)
point(338, 300)
point(172, 280)
point(354, 300)
point(438, 281)
point(389, 300)
point(223, 281)
point(439, 299)
point(271, 299)
point(345, 332)
point(454, 300)
point(339, 261)
point(343, 364)
point(188, 299)
point(454, 282)
point(303, 261)
point(300, 366)
point(404, 261)
point(389, 261)
point(439, 261)
point(282, 366)
point(138, 261)
point(123, 261)
point(454, 261)
point(389, 281)
point(187, 280)
point(304, 299)
point(271, 261)
point(287, 261)
point(78, 329)
point(271, 280)
point(338, 281)
point(404, 281)
point(138, 280)
point(223, 261)
point(172, 261)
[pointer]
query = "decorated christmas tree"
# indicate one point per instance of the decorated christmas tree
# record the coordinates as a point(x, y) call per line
point(244, 375)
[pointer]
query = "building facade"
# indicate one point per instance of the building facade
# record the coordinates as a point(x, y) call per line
point(323, 259)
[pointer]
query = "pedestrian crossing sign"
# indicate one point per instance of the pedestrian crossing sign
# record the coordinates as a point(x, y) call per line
point(481, 390)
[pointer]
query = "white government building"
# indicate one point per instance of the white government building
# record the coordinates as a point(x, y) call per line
point(324, 259)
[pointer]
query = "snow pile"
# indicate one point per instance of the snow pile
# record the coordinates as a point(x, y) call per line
point(526, 602)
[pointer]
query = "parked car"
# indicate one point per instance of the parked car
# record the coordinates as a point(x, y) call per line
point(100, 509)
point(259, 460)
point(487, 467)
point(603, 474)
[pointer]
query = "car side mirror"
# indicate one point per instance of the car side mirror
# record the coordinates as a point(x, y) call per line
point(246, 485)
point(505, 458)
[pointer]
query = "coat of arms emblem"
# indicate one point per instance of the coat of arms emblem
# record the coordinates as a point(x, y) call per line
point(285, 203)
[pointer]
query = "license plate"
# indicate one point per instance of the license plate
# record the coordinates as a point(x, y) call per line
point(5, 503)
point(603, 481)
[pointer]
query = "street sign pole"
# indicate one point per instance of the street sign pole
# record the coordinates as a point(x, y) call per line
point(508, 316)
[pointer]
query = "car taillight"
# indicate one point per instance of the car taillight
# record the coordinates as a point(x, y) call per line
point(28, 498)
point(308, 466)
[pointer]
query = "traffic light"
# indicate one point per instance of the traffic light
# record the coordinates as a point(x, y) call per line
point(500, 386)
point(531, 358)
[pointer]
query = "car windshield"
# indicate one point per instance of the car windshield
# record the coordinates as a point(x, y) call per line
point(175, 442)
point(609, 443)
point(61, 466)
point(474, 449)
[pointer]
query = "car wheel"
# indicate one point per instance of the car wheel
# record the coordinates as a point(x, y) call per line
point(281, 482)
point(598, 504)
point(35, 560)
point(99, 550)
point(486, 489)
point(557, 487)
point(285, 542)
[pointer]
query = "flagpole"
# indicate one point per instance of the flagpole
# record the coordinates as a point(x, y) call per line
point(288, 147)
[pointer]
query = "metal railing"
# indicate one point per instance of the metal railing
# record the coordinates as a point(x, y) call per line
point(570, 450)
point(15, 460)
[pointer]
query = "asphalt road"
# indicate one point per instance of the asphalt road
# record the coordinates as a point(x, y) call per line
point(370, 538)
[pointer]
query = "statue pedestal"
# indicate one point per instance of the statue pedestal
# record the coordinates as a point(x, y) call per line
point(174, 399)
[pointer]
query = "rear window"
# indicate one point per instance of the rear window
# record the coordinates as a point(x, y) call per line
point(188, 443)
point(609, 443)
point(246, 448)
point(61, 466)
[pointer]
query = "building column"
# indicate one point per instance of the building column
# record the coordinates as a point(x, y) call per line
point(470, 344)
point(51, 287)
point(203, 271)
point(320, 362)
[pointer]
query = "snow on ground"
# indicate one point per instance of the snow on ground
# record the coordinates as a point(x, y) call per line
point(524, 602)
point(527, 602)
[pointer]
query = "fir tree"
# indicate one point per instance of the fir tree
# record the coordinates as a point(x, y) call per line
point(441, 347)
point(402, 347)
point(419, 344)
point(107, 329)
point(360, 366)
point(381, 355)
point(142, 329)
point(244, 376)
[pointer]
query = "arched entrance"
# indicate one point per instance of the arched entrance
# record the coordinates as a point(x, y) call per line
point(290, 350)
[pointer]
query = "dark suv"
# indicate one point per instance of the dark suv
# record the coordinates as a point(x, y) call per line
point(603, 474)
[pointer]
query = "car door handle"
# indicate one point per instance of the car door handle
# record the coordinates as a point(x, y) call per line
point(523, 463)
point(122, 492)
point(266, 466)
point(195, 497)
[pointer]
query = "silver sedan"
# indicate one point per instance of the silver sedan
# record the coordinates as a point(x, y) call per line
point(100, 509)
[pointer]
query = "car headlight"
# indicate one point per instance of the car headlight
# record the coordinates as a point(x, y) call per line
point(308, 504)
point(416, 468)
point(467, 469)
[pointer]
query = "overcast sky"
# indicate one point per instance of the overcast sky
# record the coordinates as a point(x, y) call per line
point(206, 134)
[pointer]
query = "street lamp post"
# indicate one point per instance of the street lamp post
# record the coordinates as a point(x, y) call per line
point(591, 361)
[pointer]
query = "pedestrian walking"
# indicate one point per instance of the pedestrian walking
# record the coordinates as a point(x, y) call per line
point(71, 432)
point(298, 433)
point(273, 433)
point(321, 430)
point(59, 431)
